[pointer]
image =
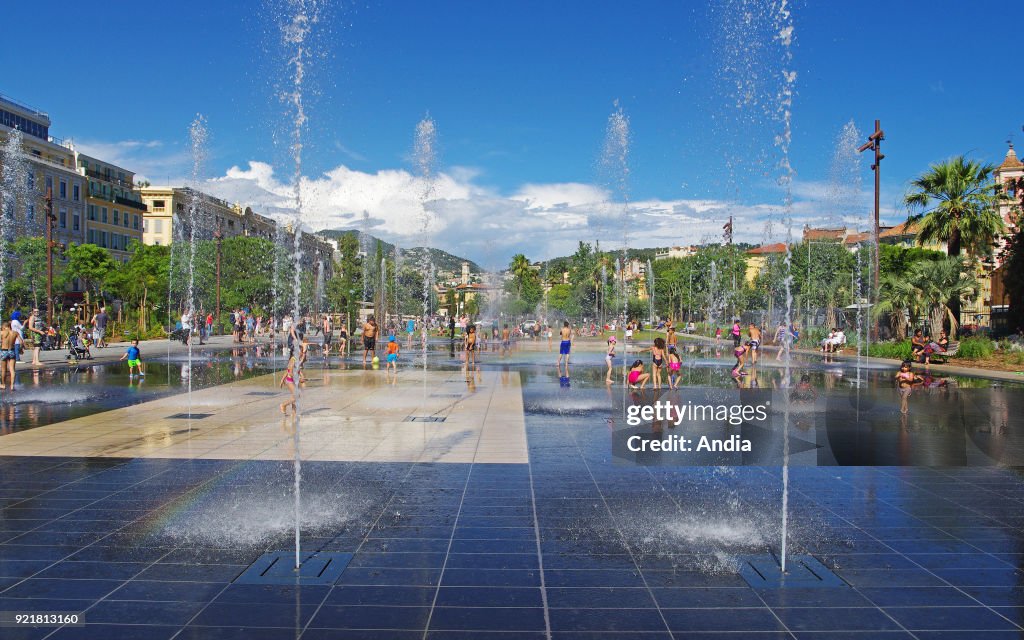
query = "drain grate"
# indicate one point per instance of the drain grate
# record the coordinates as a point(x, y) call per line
point(262, 393)
point(446, 395)
point(424, 419)
point(189, 416)
point(802, 572)
point(278, 567)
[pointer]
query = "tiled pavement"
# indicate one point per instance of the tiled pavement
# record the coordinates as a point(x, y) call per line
point(570, 545)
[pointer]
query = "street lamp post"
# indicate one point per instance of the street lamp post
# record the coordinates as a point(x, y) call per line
point(218, 236)
point(874, 143)
point(49, 256)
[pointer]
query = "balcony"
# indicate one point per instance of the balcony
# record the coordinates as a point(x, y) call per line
point(105, 177)
point(139, 206)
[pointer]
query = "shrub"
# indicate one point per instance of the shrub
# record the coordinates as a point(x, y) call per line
point(975, 347)
point(896, 350)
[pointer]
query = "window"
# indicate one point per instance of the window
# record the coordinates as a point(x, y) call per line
point(158, 226)
point(63, 218)
point(117, 219)
point(92, 212)
point(31, 179)
point(159, 205)
point(63, 190)
point(135, 222)
point(145, 226)
point(124, 220)
point(90, 236)
point(76, 223)
point(76, 192)
point(103, 215)
point(49, 183)
point(103, 239)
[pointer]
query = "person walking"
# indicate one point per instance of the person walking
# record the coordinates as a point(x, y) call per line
point(18, 328)
point(99, 324)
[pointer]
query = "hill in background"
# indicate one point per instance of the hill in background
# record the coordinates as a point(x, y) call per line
point(442, 260)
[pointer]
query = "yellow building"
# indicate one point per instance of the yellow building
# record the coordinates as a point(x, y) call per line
point(114, 207)
point(757, 259)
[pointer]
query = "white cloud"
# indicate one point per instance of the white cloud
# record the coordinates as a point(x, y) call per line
point(541, 220)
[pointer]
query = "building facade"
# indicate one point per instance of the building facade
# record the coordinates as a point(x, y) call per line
point(114, 207)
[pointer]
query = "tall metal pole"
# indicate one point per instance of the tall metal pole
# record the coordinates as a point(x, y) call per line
point(49, 256)
point(218, 236)
point(875, 144)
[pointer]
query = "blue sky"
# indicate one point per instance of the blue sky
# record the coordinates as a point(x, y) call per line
point(521, 93)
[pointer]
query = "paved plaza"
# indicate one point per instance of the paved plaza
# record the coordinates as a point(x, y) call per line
point(511, 518)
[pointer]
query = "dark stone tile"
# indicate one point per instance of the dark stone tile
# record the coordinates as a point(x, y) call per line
point(487, 619)
point(918, 597)
point(692, 620)
point(599, 597)
point(273, 594)
point(94, 570)
point(949, 618)
point(835, 619)
point(592, 578)
point(489, 597)
point(492, 561)
point(382, 595)
point(287, 616)
point(387, 576)
point(606, 620)
point(490, 578)
point(116, 632)
point(370, 617)
point(158, 613)
point(64, 589)
point(193, 572)
point(705, 597)
point(399, 560)
point(161, 591)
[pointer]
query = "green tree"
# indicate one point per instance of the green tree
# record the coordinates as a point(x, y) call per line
point(938, 283)
point(142, 281)
point(956, 202)
point(28, 284)
point(92, 266)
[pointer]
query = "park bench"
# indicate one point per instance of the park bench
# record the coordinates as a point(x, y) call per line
point(941, 356)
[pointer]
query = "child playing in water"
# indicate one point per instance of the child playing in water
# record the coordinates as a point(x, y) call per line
point(657, 360)
point(905, 381)
point(289, 379)
point(637, 375)
point(718, 334)
point(392, 354)
point(134, 358)
point(470, 344)
point(609, 356)
point(741, 357)
point(674, 365)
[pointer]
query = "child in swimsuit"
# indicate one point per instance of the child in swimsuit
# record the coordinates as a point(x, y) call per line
point(470, 345)
point(289, 379)
point(637, 375)
point(609, 356)
point(905, 381)
point(674, 365)
point(657, 360)
point(741, 357)
point(392, 354)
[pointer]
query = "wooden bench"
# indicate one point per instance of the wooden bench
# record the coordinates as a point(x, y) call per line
point(943, 355)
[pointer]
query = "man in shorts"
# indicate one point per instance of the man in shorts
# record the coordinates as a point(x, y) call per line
point(755, 342)
point(564, 347)
point(369, 338)
point(328, 332)
point(99, 324)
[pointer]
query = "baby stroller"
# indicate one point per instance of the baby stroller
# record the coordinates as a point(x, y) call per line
point(76, 349)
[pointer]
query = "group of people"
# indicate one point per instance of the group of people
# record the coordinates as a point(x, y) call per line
point(923, 348)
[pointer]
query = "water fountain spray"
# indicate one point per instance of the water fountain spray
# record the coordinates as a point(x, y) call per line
point(615, 167)
point(424, 154)
point(13, 189)
point(198, 137)
point(296, 30)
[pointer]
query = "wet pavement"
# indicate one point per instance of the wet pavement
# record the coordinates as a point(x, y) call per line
point(918, 514)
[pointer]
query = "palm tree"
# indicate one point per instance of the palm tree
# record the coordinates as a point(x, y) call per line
point(520, 268)
point(940, 283)
point(956, 202)
point(898, 299)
